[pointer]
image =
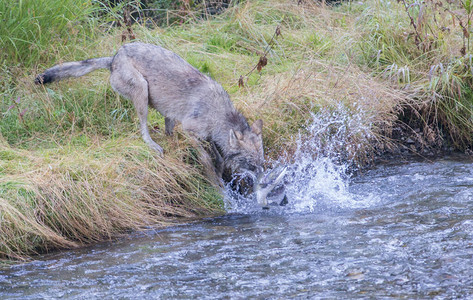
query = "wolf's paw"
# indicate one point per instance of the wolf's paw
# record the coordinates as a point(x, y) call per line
point(156, 148)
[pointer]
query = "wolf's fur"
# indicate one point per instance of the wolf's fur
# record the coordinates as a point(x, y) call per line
point(150, 75)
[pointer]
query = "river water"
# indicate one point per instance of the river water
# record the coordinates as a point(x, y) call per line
point(402, 230)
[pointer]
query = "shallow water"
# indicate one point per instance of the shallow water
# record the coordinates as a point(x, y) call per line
point(403, 231)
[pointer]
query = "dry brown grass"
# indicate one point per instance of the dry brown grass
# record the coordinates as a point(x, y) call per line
point(71, 198)
point(287, 101)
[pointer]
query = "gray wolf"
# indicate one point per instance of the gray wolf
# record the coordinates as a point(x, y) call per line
point(151, 76)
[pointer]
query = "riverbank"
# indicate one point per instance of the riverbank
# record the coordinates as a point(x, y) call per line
point(74, 169)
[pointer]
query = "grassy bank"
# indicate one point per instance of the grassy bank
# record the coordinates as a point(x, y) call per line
point(75, 195)
point(73, 168)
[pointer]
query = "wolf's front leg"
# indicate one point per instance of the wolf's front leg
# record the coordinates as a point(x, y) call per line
point(204, 155)
point(219, 163)
point(169, 125)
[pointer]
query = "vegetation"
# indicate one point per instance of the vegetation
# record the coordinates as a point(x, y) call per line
point(73, 168)
point(424, 48)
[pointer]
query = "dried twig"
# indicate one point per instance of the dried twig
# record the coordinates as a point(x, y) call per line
point(263, 60)
point(466, 33)
point(128, 32)
point(418, 38)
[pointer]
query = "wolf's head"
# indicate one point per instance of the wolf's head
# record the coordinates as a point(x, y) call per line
point(246, 149)
point(245, 160)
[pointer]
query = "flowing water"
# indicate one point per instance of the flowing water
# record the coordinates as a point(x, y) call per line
point(398, 231)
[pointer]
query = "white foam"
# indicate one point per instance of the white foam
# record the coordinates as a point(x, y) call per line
point(319, 178)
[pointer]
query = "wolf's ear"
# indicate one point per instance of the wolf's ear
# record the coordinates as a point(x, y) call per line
point(257, 126)
point(234, 137)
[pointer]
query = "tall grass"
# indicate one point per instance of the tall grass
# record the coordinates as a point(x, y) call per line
point(63, 198)
point(424, 48)
point(62, 113)
point(30, 27)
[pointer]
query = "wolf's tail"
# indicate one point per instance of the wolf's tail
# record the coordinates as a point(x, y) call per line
point(73, 69)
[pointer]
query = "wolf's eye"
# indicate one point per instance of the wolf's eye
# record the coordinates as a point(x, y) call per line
point(252, 167)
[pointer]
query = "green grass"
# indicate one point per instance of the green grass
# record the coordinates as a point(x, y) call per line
point(59, 111)
point(29, 28)
point(73, 168)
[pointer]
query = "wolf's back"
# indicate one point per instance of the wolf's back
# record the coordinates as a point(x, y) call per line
point(73, 69)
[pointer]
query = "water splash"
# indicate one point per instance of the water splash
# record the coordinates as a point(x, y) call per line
point(319, 178)
point(324, 161)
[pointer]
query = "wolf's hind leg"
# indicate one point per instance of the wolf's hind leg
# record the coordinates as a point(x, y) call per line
point(129, 82)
